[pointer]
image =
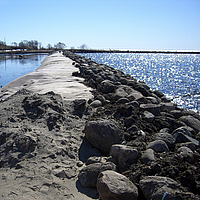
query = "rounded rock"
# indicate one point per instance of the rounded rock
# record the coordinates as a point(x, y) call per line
point(112, 185)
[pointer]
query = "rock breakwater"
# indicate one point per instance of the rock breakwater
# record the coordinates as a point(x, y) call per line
point(161, 141)
point(127, 141)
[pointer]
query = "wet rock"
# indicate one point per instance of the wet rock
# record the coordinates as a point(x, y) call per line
point(158, 146)
point(96, 104)
point(191, 121)
point(166, 137)
point(123, 154)
point(152, 108)
point(158, 188)
point(103, 134)
point(88, 175)
point(148, 116)
point(186, 154)
point(148, 156)
point(112, 185)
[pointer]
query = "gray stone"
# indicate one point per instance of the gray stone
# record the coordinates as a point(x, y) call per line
point(164, 130)
point(120, 93)
point(148, 116)
point(182, 129)
point(181, 138)
point(158, 188)
point(168, 106)
point(190, 145)
point(88, 175)
point(122, 101)
point(135, 95)
point(158, 93)
point(153, 100)
point(96, 104)
point(133, 103)
point(158, 146)
point(123, 154)
point(107, 86)
point(101, 98)
point(112, 185)
point(166, 137)
point(148, 156)
point(152, 108)
point(186, 153)
point(177, 113)
point(103, 134)
point(191, 121)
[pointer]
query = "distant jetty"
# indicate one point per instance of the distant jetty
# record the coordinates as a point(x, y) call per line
point(102, 51)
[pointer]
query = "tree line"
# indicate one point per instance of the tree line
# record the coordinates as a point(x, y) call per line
point(35, 45)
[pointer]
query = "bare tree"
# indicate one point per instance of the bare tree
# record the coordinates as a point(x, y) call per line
point(14, 44)
point(84, 46)
point(49, 46)
point(60, 45)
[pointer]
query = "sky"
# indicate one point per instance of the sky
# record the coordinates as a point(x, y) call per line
point(103, 24)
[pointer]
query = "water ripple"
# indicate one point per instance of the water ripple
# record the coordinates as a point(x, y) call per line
point(176, 75)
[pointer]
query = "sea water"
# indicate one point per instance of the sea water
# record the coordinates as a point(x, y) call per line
point(176, 75)
point(11, 69)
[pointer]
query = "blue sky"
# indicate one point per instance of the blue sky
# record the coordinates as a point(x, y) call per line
point(103, 24)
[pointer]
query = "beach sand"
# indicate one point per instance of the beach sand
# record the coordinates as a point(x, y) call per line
point(54, 74)
point(42, 150)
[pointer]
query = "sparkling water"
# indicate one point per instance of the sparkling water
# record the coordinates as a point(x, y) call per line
point(176, 75)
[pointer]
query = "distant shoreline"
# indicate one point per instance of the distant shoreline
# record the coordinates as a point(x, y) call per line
point(103, 51)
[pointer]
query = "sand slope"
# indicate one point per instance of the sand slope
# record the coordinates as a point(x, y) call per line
point(54, 74)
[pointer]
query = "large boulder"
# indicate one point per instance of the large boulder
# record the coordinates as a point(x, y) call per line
point(182, 135)
point(166, 137)
point(186, 153)
point(112, 185)
point(107, 86)
point(158, 188)
point(152, 108)
point(158, 146)
point(103, 134)
point(88, 175)
point(123, 154)
point(148, 156)
point(191, 121)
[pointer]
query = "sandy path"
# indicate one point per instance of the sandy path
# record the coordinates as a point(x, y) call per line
point(54, 74)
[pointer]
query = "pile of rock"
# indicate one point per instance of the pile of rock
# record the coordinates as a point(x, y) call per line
point(150, 147)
